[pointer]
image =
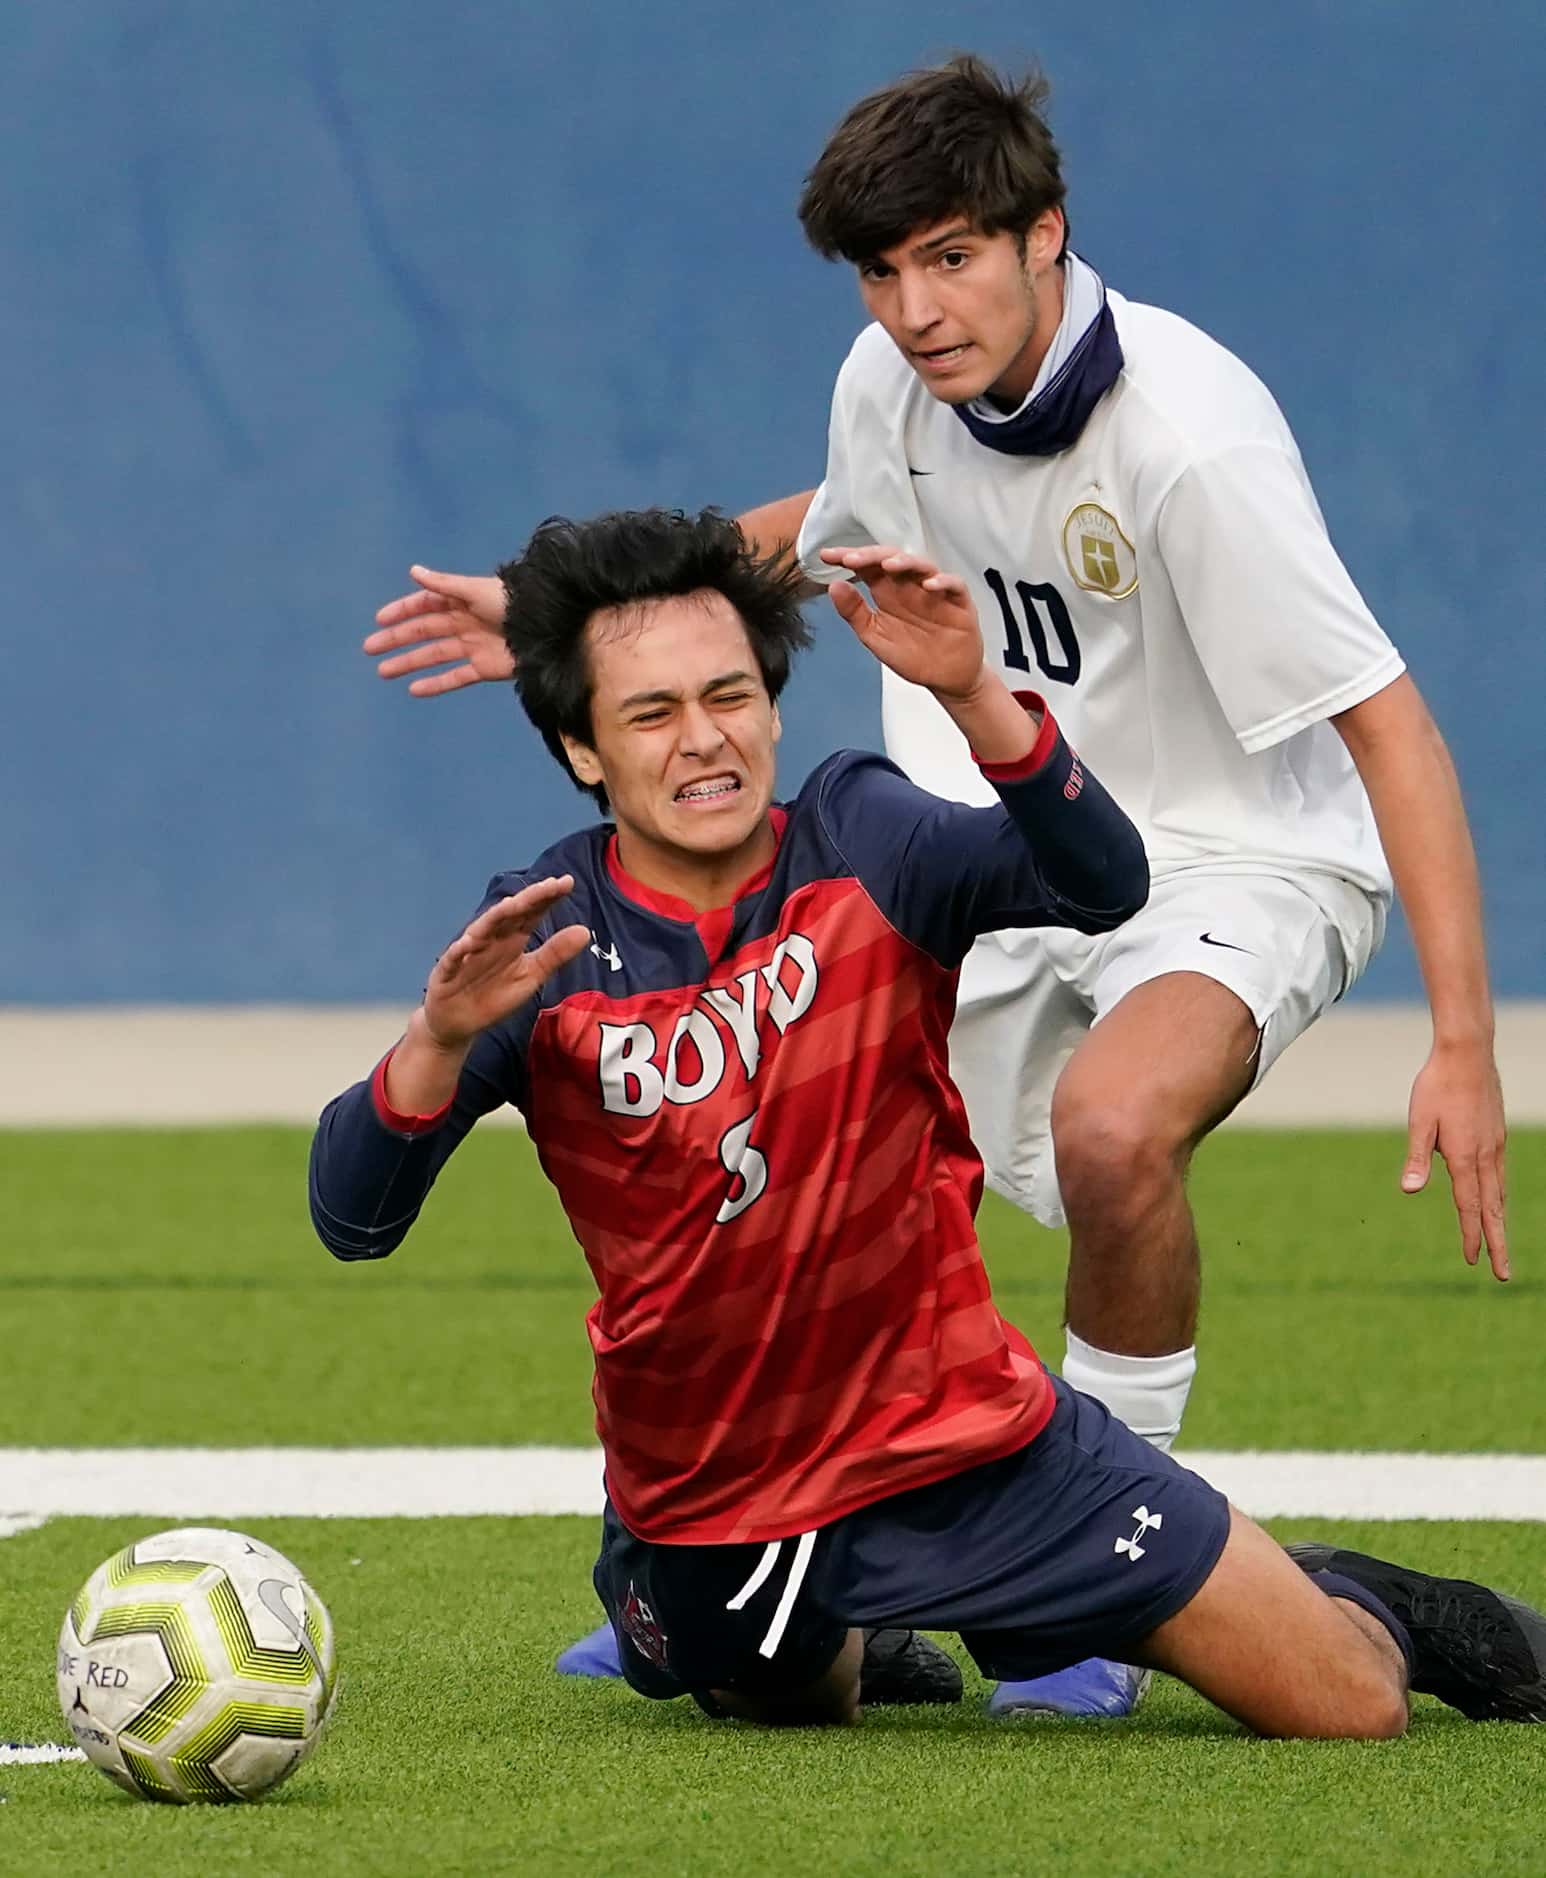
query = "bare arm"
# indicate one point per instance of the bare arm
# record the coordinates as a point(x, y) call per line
point(1457, 1102)
point(456, 620)
point(775, 527)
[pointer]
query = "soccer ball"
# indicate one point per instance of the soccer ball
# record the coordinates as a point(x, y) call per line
point(197, 1665)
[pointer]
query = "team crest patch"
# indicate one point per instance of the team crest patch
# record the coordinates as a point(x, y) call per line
point(643, 1629)
point(1100, 557)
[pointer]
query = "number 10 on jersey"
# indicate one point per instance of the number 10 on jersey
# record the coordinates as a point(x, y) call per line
point(1042, 606)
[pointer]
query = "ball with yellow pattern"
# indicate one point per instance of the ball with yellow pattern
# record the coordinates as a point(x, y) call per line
point(197, 1665)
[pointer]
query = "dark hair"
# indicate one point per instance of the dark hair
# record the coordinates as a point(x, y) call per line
point(570, 571)
point(954, 139)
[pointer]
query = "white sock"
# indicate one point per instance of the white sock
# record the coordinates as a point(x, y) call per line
point(1147, 1392)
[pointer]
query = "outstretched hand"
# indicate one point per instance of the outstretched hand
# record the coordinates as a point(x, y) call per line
point(922, 623)
point(1457, 1109)
point(449, 617)
point(493, 969)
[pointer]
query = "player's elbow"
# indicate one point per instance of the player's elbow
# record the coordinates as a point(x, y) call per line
point(1120, 891)
point(1133, 874)
point(349, 1242)
point(351, 1254)
point(369, 1177)
point(345, 1207)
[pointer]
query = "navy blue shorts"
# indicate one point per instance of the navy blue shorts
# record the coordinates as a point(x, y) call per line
point(1080, 1544)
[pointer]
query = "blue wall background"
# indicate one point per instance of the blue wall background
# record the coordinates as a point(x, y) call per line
point(295, 294)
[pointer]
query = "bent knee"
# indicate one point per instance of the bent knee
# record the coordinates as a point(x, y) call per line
point(1393, 1717)
point(1379, 1715)
point(1377, 1710)
point(1111, 1146)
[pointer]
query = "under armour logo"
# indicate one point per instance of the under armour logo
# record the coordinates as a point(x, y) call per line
point(1145, 1520)
point(611, 954)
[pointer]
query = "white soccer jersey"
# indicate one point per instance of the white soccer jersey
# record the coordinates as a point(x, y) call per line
point(1167, 582)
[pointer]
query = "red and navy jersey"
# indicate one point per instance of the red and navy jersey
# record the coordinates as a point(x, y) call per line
point(749, 1118)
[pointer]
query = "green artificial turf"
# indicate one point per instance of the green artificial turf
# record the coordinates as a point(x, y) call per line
point(455, 1750)
point(165, 1288)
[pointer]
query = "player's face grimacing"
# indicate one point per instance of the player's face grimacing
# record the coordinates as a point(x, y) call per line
point(683, 734)
point(972, 314)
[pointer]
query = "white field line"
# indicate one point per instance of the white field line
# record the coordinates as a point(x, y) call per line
point(188, 1064)
point(21, 1754)
point(427, 1483)
point(282, 1483)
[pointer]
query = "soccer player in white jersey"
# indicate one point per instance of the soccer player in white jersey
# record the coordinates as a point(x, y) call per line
point(1136, 524)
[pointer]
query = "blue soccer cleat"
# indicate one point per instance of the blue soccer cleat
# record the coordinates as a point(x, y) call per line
point(595, 1655)
point(1091, 1688)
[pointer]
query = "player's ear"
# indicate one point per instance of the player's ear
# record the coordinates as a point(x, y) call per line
point(778, 723)
point(1044, 239)
point(583, 760)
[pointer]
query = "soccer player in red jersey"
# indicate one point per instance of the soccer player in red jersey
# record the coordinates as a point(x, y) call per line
point(725, 1022)
point(1129, 508)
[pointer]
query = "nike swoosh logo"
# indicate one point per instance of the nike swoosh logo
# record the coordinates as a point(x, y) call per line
point(271, 1595)
point(1208, 940)
point(912, 472)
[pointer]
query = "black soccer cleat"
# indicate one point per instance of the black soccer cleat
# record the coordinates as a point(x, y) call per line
point(904, 1666)
point(1478, 1650)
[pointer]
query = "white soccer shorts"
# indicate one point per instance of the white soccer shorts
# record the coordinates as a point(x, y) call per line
point(1288, 947)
